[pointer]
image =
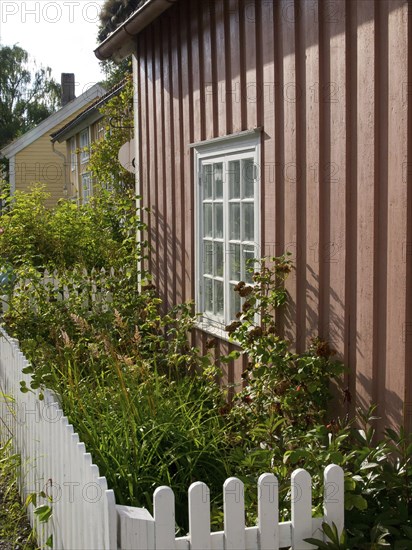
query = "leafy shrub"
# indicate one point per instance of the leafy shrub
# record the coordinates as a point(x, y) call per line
point(283, 390)
point(143, 399)
point(148, 420)
point(98, 234)
point(104, 163)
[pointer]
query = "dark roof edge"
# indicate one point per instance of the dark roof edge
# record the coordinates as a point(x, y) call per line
point(120, 43)
point(91, 109)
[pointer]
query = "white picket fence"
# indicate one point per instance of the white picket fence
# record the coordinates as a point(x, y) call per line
point(55, 461)
point(91, 290)
point(140, 531)
point(85, 515)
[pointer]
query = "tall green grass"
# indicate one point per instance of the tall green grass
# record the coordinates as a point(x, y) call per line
point(147, 430)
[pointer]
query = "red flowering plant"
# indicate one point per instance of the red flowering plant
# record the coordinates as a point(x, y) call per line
point(283, 389)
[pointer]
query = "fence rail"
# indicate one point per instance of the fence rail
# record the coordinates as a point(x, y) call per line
point(85, 515)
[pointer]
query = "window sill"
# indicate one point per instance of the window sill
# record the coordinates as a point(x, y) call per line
point(213, 328)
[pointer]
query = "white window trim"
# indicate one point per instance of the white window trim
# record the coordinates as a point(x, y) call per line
point(86, 198)
point(83, 153)
point(243, 142)
point(73, 154)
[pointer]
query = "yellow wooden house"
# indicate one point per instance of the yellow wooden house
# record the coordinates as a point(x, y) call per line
point(34, 157)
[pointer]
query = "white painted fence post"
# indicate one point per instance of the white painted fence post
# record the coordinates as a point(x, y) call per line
point(333, 496)
point(136, 528)
point(301, 509)
point(164, 515)
point(268, 512)
point(110, 515)
point(199, 516)
point(234, 514)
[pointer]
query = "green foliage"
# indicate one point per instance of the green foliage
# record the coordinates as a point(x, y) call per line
point(378, 482)
point(337, 541)
point(104, 164)
point(146, 408)
point(115, 72)
point(143, 398)
point(278, 422)
point(283, 390)
point(98, 234)
point(15, 531)
point(114, 13)
point(26, 97)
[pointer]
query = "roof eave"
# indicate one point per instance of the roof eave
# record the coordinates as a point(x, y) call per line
point(91, 114)
point(120, 43)
point(51, 121)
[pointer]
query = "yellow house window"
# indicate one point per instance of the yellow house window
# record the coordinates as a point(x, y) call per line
point(73, 155)
point(84, 146)
point(87, 189)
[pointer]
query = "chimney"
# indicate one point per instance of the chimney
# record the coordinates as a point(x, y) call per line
point(67, 88)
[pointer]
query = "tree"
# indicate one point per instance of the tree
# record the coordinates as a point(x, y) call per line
point(28, 94)
point(104, 163)
point(112, 15)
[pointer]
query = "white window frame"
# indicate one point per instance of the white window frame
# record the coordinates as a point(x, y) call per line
point(73, 154)
point(87, 191)
point(84, 153)
point(100, 129)
point(233, 147)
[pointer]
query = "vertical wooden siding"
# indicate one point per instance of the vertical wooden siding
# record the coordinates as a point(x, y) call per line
point(328, 83)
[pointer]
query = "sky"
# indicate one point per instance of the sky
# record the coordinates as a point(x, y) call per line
point(60, 34)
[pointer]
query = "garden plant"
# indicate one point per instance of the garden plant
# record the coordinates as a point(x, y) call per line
point(145, 400)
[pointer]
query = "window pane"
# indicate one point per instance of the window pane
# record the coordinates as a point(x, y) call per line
point(84, 143)
point(248, 255)
point(235, 305)
point(218, 171)
point(218, 259)
point(218, 297)
point(207, 220)
point(248, 178)
point(234, 262)
point(218, 221)
point(207, 181)
point(208, 257)
point(208, 290)
point(234, 221)
point(234, 179)
point(248, 221)
point(84, 139)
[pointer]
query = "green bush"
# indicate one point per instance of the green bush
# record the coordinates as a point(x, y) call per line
point(143, 399)
point(101, 233)
point(284, 391)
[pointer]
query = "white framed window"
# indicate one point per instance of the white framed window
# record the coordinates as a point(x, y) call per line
point(87, 187)
point(84, 146)
point(73, 155)
point(100, 129)
point(227, 224)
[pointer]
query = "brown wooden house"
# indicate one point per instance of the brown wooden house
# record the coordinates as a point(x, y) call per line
point(283, 125)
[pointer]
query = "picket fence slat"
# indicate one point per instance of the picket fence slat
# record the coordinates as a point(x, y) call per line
point(301, 508)
point(164, 516)
point(234, 514)
point(199, 516)
point(268, 512)
point(333, 498)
